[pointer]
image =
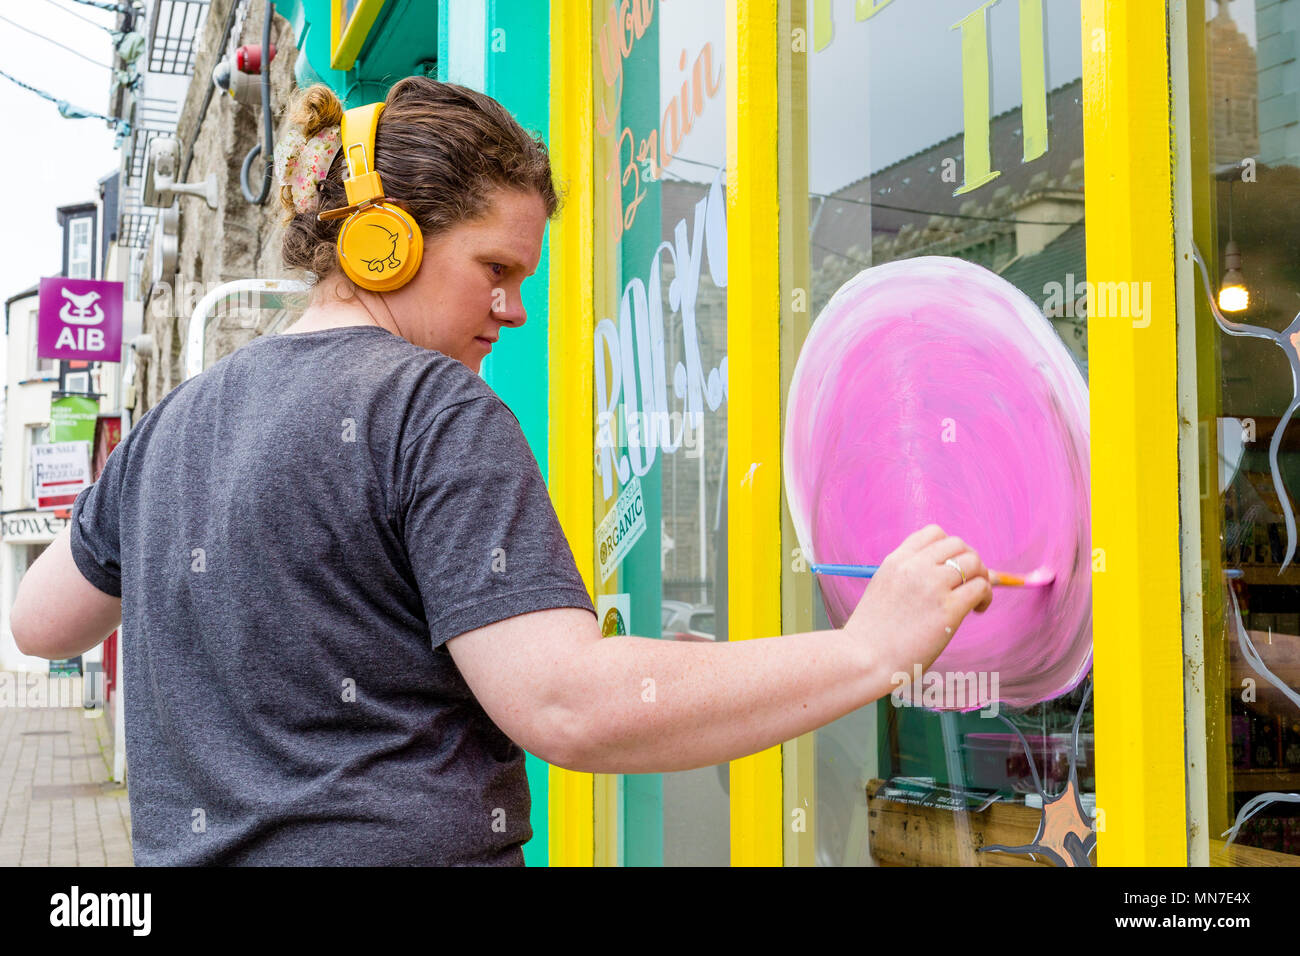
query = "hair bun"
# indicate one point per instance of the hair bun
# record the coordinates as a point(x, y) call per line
point(315, 108)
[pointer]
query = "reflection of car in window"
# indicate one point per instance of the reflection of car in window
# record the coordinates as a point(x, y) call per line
point(671, 610)
point(688, 622)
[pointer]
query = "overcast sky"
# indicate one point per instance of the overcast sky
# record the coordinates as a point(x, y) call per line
point(49, 161)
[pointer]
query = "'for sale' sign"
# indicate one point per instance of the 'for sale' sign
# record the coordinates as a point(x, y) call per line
point(80, 319)
point(62, 471)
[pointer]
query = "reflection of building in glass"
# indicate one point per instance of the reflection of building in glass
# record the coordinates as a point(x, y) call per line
point(1253, 109)
point(1026, 224)
point(1252, 112)
point(692, 523)
point(1233, 90)
point(1277, 23)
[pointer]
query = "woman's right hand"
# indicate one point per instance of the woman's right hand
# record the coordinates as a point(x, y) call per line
point(914, 604)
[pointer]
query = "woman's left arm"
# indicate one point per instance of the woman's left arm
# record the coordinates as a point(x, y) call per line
point(58, 613)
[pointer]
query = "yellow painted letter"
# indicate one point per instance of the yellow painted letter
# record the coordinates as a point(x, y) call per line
point(977, 165)
point(1033, 79)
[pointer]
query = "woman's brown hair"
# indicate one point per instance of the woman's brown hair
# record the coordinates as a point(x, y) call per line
point(442, 150)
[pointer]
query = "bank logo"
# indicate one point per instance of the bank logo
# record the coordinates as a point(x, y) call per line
point(81, 309)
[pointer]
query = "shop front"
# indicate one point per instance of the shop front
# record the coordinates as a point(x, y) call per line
point(733, 398)
point(830, 270)
point(26, 534)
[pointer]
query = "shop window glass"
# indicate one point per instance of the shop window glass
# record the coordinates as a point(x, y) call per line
point(660, 387)
point(1246, 125)
point(951, 128)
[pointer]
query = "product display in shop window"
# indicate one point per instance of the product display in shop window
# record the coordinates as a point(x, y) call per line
point(1258, 739)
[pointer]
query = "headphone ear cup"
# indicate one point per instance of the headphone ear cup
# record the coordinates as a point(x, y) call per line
point(380, 247)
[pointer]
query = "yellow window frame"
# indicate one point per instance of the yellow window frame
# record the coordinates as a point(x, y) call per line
point(570, 345)
point(1139, 708)
point(346, 39)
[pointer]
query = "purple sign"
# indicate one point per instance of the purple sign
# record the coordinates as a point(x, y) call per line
point(80, 319)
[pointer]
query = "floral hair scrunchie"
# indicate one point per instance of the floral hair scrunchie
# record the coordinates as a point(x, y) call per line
point(301, 162)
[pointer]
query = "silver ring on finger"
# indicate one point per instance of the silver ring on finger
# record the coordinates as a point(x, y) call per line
point(956, 567)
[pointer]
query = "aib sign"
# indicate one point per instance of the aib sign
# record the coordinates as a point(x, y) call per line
point(80, 319)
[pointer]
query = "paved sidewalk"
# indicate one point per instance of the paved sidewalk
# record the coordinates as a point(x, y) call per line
point(58, 806)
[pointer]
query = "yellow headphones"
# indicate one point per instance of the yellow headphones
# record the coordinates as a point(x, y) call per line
point(380, 244)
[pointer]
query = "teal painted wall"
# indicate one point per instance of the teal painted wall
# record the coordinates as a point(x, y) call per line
point(403, 41)
point(516, 48)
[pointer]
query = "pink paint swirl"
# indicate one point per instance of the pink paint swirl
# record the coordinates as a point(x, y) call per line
point(932, 390)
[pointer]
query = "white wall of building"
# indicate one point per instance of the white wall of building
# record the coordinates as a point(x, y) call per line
point(31, 384)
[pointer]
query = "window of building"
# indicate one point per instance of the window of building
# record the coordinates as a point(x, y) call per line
point(37, 366)
point(77, 382)
point(79, 248)
point(36, 435)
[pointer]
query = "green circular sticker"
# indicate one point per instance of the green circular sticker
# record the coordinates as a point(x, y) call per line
point(613, 623)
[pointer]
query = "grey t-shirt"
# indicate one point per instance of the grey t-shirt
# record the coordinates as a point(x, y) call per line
point(295, 534)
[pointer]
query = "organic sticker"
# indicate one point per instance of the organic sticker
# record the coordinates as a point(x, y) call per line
point(620, 528)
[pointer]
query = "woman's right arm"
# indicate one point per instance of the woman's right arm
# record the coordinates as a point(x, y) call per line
point(640, 705)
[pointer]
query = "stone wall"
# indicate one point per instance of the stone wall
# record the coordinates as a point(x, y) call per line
point(237, 240)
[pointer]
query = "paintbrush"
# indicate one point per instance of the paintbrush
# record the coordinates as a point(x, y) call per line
point(1039, 577)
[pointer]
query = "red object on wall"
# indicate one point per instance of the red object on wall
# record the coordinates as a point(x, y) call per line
point(248, 59)
point(108, 432)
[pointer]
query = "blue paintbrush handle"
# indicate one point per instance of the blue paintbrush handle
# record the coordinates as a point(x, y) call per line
point(846, 570)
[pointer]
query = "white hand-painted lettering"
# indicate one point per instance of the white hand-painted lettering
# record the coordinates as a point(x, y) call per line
point(631, 372)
